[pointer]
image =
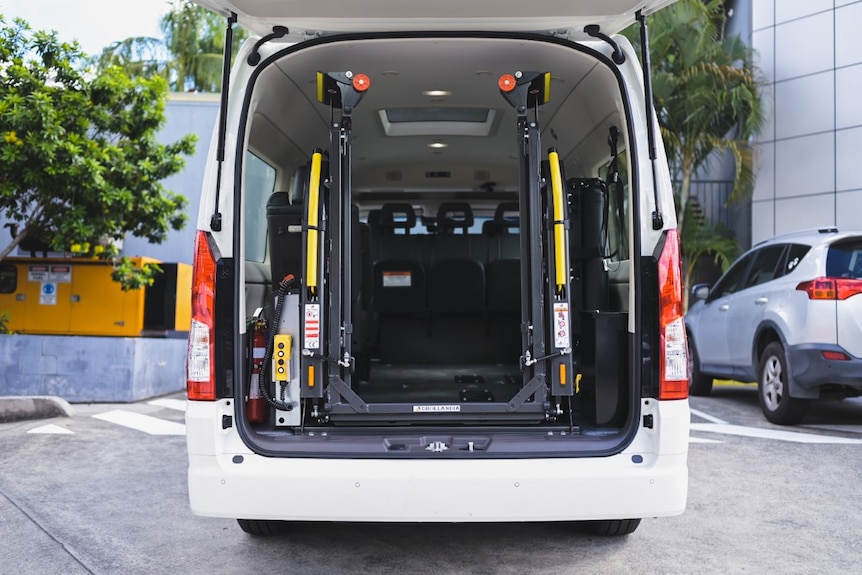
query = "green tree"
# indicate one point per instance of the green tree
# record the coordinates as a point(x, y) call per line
point(189, 56)
point(706, 92)
point(80, 165)
point(709, 105)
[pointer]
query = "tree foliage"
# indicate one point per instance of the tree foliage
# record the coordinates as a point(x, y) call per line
point(709, 105)
point(190, 55)
point(80, 164)
point(706, 92)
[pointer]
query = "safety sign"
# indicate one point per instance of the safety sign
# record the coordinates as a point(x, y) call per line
point(48, 294)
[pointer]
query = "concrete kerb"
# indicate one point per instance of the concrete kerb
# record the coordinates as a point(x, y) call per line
point(18, 408)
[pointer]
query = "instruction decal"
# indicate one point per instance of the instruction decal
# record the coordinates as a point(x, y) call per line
point(561, 325)
point(397, 279)
point(48, 294)
point(436, 408)
point(312, 326)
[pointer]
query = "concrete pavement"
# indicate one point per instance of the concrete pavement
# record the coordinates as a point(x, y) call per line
point(17, 408)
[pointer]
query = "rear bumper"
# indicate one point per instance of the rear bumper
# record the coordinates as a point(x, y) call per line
point(810, 369)
point(236, 483)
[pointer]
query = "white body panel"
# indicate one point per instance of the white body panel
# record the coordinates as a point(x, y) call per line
point(344, 16)
point(850, 325)
point(442, 490)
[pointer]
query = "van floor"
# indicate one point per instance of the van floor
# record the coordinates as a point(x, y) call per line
point(425, 383)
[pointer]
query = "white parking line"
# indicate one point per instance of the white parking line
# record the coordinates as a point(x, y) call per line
point(765, 433)
point(178, 404)
point(140, 422)
point(701, 440)
point(52, 429)
point(706, 416)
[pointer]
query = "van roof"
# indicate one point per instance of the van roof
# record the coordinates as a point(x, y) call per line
point(313, 17)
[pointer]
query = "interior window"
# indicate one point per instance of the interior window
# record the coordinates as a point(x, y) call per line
point(767, 265)
point(259, 184)
point(617, 207)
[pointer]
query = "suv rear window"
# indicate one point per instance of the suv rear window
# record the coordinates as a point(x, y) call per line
point(844, 259)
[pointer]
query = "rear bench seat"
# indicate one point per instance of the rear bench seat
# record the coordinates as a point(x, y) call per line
point(430, 290)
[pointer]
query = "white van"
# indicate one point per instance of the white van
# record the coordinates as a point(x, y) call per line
point(437, 272)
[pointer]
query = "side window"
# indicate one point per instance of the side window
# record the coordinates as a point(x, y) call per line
point(794, 256)
point(732, 280)
point(259, 184)
point(8, 278)
point(767, 265)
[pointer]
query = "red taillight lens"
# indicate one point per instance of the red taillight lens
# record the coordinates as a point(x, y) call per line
point(673, 360)
point(200, 362)
point(831, 288)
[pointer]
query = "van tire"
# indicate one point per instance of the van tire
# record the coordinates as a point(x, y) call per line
point(773, 391)
point(699, 384)
point(611, 527)
point(261, 527)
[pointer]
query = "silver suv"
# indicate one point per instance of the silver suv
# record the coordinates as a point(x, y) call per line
point(788, 315)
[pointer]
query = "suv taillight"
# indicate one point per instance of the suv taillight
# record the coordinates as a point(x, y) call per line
point(673, 360)
point(831, 288)
point(200, 366)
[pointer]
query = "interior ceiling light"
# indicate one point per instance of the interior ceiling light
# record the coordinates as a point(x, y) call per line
point(437, 93)
point(437, 121)
point(438, 145)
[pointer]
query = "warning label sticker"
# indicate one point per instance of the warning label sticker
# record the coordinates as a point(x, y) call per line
point(61, 274)
point(397, 279)
point(561, 325)
point(312, 326)
point(38, 273)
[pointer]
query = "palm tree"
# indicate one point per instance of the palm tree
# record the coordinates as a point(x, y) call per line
point(708, 102)
point(701, 240)
point(138, 56)
point(706, 92)
point(194, 37)
point(189, 56)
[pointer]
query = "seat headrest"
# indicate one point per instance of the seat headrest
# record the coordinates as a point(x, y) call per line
point(278, 199)
point(397, 217)
point(452, 215)
point(508, 214)
point(299, 185)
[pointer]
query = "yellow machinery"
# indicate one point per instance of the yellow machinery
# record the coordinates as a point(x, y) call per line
point(78, 297)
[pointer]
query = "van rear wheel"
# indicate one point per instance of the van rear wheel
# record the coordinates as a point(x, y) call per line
point(261, 527)
point(610, 527)
point(773, 390)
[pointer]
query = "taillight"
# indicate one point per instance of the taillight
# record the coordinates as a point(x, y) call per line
point(831, 288)
point(200, 364)
point(673, 359)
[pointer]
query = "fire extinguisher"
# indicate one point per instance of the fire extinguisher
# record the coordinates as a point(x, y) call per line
point(256, 406)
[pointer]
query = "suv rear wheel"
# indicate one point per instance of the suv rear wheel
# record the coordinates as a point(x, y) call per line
point(773, 390)
point(698, 383)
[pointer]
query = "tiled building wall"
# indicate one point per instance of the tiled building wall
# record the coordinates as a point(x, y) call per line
point(810, 175)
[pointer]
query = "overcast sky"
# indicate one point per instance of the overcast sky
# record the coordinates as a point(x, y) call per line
point(94, 23)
